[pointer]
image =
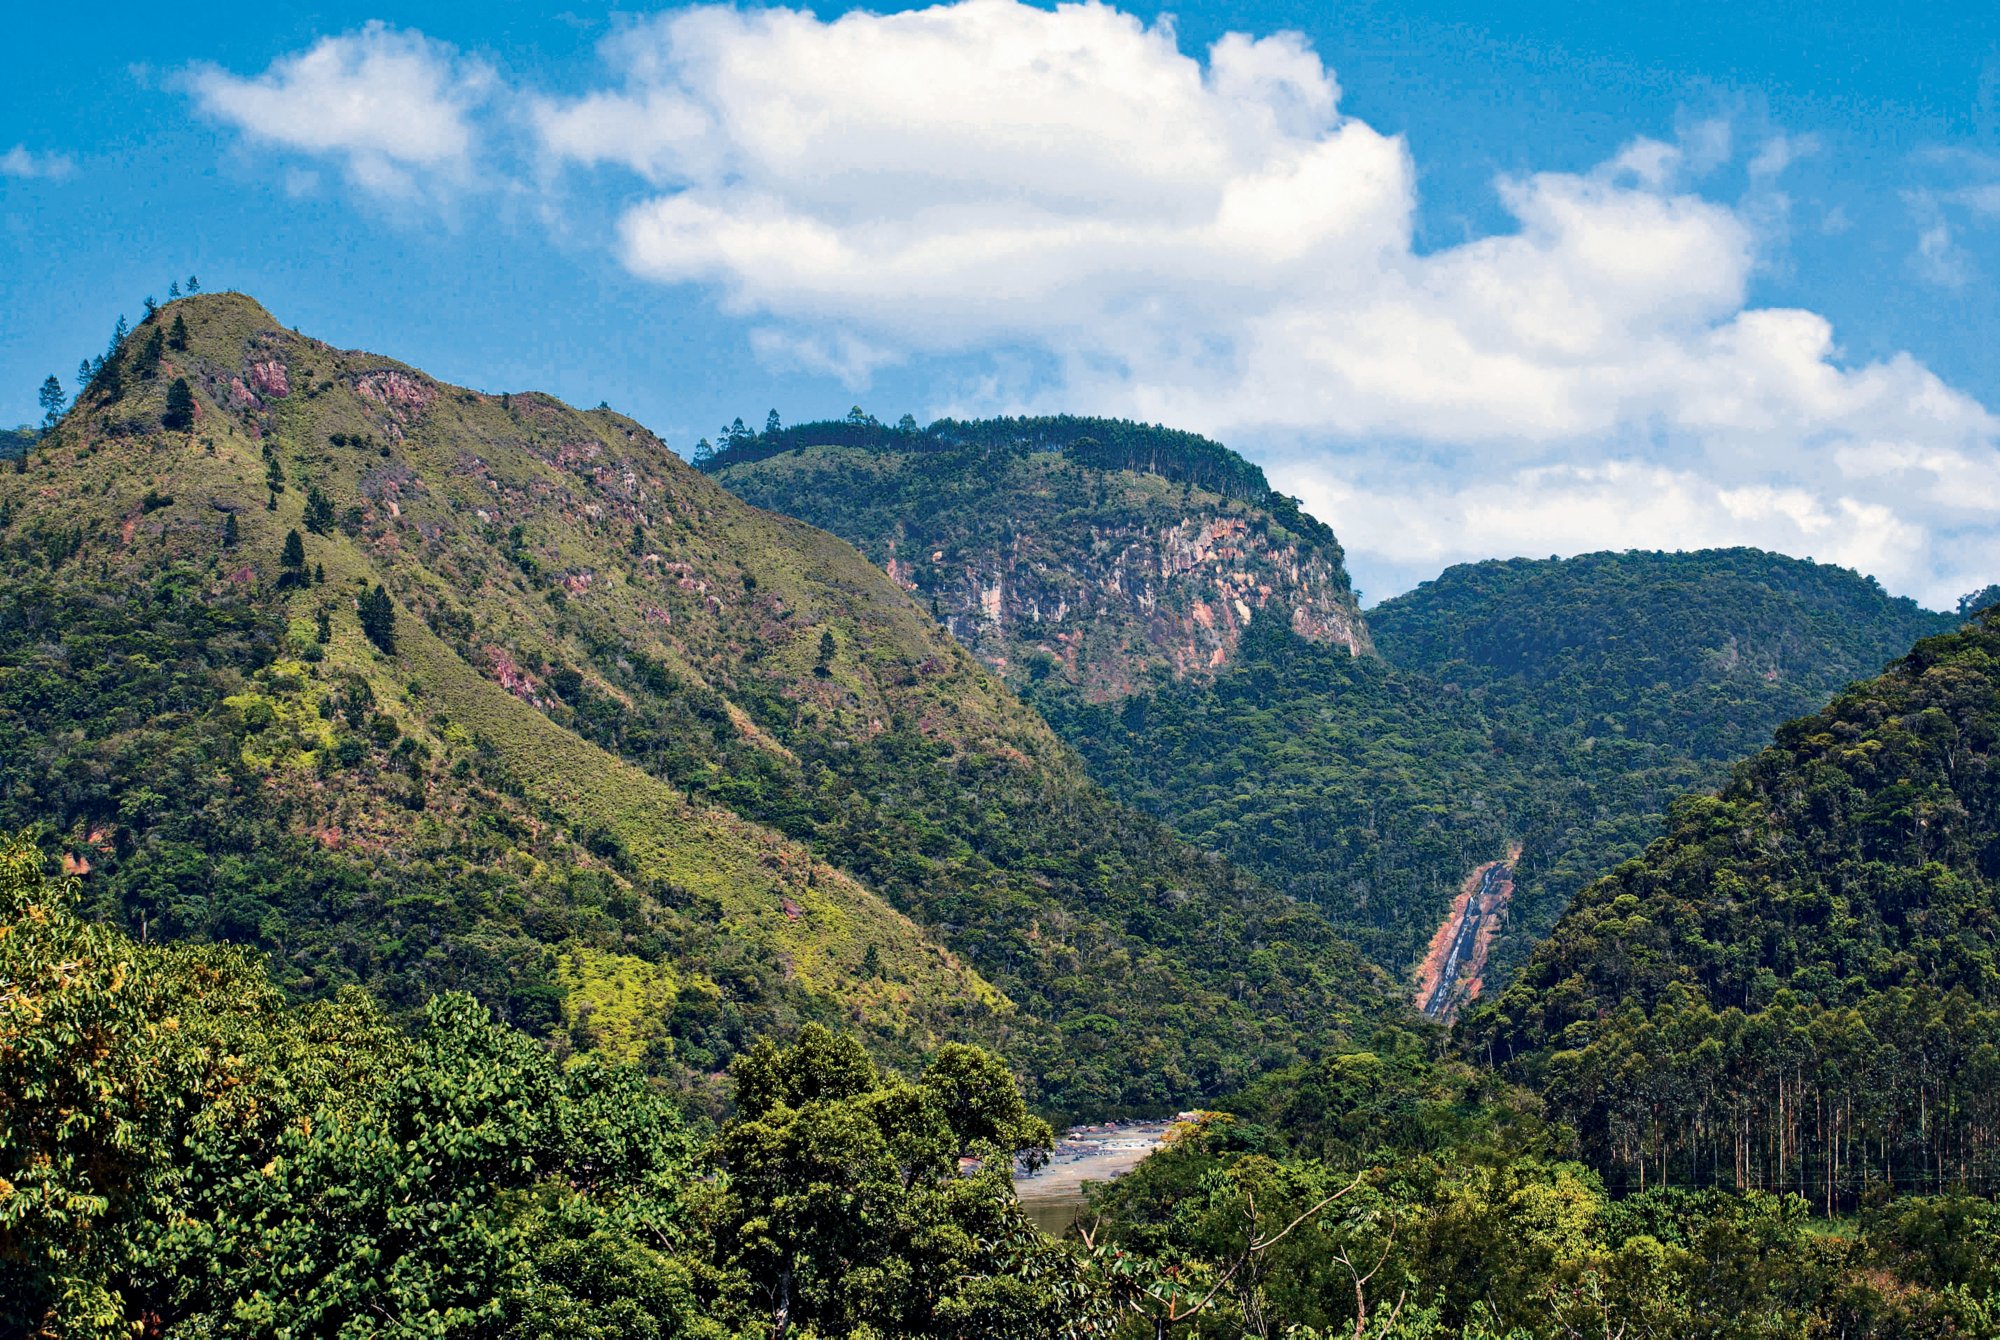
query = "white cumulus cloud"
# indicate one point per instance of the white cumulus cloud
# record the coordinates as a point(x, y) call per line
point(396, 108)
point(1206, 239)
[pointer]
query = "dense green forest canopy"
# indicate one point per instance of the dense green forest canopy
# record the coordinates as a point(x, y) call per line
point(1097, 443)
point(1797, 986)
point(1365, 790)
point(1703, 651)
point(184, 1152)
point(1397, 1193)
point(1624, 679)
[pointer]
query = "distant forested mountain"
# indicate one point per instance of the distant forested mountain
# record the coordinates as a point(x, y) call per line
point(1689, 651)
point(1104, 553)
point(1629, 678)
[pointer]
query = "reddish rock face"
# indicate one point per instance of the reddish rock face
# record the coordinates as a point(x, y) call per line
point(1040, 562)
point(511, 676)
point(270, 378)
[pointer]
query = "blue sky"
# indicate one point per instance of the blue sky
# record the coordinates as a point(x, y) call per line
point(1471, 278)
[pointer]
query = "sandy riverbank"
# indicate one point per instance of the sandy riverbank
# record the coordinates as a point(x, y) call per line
point(1053, 1195)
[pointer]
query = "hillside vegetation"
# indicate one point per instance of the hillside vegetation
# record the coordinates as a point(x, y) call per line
point(422, 786)
point(1629, 678)
point(532, 709)
point(1560, 703)
point(1797, 986)
point(183, 1152)
point(1397, 1194)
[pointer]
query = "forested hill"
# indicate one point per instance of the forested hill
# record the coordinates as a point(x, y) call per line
point(1799, 985)
point(1105, 553)
point(423, 688)
point(1560, 703)
point(1625, 679)
point(1703, 652)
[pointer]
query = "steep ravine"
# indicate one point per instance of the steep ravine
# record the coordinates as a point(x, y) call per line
point(1453, 972)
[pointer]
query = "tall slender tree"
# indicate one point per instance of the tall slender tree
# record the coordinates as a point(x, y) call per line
point(147, 361)
point(52, 401)
point(319, 510)
point(378, 618)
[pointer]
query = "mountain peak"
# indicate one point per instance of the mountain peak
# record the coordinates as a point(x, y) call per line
point(687, 769)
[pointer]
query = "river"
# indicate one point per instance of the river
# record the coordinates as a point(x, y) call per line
point(1053, 1196)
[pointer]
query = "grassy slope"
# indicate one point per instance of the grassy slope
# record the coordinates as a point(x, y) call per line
point(722, 710)
point(817, 920)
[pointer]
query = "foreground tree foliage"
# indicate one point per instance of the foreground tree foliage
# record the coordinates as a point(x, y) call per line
point(846, 1211)
point(1402, 1196)
point(184, 1152)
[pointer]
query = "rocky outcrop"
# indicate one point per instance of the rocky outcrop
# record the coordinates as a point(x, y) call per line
point(1111, 568)
point(403, 394)
point(271, 378)
point(1128, 601)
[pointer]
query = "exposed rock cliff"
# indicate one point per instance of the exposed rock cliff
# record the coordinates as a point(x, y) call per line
point(1055, 557)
